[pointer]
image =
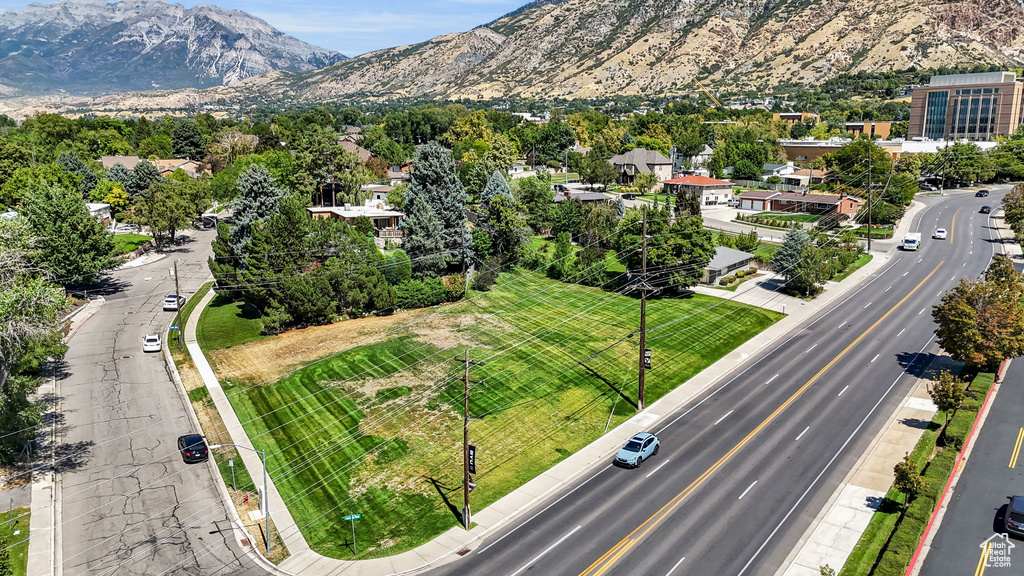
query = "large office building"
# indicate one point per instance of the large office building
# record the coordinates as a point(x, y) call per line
point(974, 106)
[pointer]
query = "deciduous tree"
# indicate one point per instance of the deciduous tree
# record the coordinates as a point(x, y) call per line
point(947, 392)
point(908, 480)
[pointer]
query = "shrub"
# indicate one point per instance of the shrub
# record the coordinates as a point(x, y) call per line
point(723, 281)
point(487, 275)
point(454, 286)
point(420, 293)
point(958, 428)
point(739, 274)
point(752, 270)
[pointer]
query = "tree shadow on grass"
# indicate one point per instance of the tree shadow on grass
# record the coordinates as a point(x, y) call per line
point(444, 491)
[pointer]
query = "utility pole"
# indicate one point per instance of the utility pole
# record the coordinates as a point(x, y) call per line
point(643, 312)
point(467, 482)
point(177, 304)
point(871, 167)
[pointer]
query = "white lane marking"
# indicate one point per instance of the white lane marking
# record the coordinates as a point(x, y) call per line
point(811, 348)
point(564, 496)
point(868, 304)
point(953, 277)
point(889, 288)
point(921, 312)
point(907, 272)
point(843, 390)
point(723, 417)
point(827, 466)
point(901, 332)
point(549, 549)
point(747, 490)
point(875, 358)
point(801, 435)
point(656, 469)
point(676, 566)
point(971, 252)
point(939, 293)
point(771, 379)
point(964, 264)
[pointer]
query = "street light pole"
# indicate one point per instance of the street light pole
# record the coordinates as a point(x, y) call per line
point(266, 495)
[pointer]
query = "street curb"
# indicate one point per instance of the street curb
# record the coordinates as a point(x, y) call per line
point(954, 477)
point(236, 520)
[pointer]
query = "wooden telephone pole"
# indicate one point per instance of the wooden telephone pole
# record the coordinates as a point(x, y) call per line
point(643, 313)
point(467, 481)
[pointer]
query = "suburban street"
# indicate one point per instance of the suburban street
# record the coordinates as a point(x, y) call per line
point(976, 509)
point(127, 502)
point(745, 468)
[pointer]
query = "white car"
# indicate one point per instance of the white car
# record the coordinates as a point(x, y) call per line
point(151, 343)
point(173, 301)
point(940, 234)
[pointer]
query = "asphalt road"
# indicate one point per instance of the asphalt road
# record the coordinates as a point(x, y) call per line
point(128, 504)
point(993, 472)
point(745, 468)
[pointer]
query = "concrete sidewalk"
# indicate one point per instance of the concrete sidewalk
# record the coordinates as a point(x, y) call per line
point(445, 548)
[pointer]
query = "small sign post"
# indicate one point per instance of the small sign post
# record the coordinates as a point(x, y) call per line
point(647, 358)
point(472, 459)
point(352, 518)
point(231, 464)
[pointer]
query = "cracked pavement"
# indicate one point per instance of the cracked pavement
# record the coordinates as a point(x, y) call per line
point(129, 505)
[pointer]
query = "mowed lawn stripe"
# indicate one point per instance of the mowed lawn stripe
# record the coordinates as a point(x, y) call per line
point(556, 358)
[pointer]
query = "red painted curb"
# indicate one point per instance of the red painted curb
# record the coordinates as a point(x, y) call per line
point(956, 467)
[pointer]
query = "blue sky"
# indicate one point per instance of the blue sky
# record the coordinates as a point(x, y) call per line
point(354, 27)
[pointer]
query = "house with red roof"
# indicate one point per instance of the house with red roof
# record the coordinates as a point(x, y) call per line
point(709, 191)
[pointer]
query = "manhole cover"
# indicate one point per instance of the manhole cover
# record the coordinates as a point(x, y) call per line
point(244, 541)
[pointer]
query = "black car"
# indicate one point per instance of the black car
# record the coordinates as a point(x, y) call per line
point(986, 209)
point(193, 448)
point(628, 196)
point(981, 193)
point(561, 188)
point(1014, 519)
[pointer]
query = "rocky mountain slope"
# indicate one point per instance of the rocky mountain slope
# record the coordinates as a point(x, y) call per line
point(591, 48)
point(95, 46)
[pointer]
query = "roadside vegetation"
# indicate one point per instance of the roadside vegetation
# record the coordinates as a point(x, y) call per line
point(125, 243)
point(14, 541)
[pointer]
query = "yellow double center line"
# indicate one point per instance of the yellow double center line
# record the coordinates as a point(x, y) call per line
point(609, 558)
point(986, 549)
point(952, 225)
point(1016, 449)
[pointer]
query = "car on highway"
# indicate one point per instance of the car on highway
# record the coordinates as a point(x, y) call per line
point(173, 301)
point(193, 448)
point(639, 448)
point(151, 343)
point(986, 209)
point(1014, 519)
point(940, 234)
point(981, 193)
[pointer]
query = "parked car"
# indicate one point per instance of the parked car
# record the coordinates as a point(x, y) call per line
point(1014, 519)
point(127, 229)
point(561, 188)
point(986, 209)
point(173, 302)
point(151, 343)
point(193, 448)
point(940, 234)
point(981, 193)
point(927, 186)
point(628, 196)
point(639, 448)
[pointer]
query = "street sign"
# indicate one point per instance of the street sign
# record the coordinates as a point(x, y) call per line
point(352, 517)
point(175, 327)
point(647, 359)
point(472, 459)
point(472, 484)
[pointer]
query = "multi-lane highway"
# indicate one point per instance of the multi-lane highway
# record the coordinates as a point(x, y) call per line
point(745, 468)
point(128, 505)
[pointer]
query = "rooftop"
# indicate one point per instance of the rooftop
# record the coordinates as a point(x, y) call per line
point(979, 78)
point(698, 181)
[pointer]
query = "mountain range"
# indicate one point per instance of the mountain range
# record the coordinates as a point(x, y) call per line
point(95, 46)
point(595, 48)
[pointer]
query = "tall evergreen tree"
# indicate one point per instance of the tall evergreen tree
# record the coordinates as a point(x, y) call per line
point(435, 183)
point(72, 164)
point(76, 247)
point(188, 141)
point(787, 257)
point(119, 173)
point(421, 238)
point(495, 186)
point(620, 208)
point(142, 177)
point(258, 198)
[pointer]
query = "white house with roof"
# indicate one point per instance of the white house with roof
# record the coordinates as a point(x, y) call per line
point(638, 161)
point(385, 219)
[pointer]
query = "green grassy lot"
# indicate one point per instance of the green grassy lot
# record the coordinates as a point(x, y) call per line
point(225, 323)
point(559, 177)
point(186, 312)
point(857, 265)
point(786, 217)
point(377, 429)
point(18, 543)
point(125, 243)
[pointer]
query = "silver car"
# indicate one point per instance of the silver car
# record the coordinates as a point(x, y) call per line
point(151, 343)
point(173, 301)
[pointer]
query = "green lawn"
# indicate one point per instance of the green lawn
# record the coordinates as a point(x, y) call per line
point(376, 430)
point(786, 217)
point(226, 323)
point(559, 177)
point(125, 243)
point(186, 312)
point(857, 265)
point(17, 542)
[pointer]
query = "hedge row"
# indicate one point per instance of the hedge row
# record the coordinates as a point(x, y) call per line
point(908, 532)
point(883, 233)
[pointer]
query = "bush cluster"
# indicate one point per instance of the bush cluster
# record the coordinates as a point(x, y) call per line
point(767, 221)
